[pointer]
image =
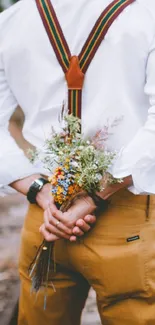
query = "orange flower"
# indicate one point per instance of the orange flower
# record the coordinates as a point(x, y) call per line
point(71, 189)
point(60, 190)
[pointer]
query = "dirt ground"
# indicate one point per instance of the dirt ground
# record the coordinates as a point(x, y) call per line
point(12, 211)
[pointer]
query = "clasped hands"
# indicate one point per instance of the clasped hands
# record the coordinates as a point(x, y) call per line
point(78, 219)
point(71, 224)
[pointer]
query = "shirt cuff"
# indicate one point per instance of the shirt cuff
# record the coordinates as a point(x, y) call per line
point(136, 188)
point(144, 177)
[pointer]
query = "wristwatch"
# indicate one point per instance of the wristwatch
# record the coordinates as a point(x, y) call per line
point(35, 187)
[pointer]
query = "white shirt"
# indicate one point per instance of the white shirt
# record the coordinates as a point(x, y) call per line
point(119, 85)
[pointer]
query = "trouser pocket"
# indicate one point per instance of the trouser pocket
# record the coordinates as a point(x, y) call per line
point(117, 262)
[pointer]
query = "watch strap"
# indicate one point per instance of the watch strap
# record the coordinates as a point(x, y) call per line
point(35, 188)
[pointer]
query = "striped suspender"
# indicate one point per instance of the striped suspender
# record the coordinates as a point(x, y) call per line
point(75, 67)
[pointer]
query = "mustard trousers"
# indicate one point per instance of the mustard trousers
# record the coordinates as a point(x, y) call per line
point(116, 258)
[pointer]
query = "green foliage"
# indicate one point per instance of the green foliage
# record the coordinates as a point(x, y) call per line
point(1, 8)
point(2, 4)
point(85, 159)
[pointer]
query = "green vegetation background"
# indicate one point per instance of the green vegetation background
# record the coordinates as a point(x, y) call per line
point(1, 5)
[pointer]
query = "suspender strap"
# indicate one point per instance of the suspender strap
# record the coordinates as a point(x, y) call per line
point(74, 102)
point(99, 31)
point(55, 33)
point(75, 67)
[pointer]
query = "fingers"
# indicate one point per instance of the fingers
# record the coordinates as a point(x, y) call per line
point(49, 219)
point(57, 214)
point(73, 239)
point(64, 217)
point(77, 231)
point(90, 219)
point(53, 208)
point(48, 236)
point(53, 228)
point(60, 224)
point(82, 225)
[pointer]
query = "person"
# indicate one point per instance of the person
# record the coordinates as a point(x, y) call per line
point(117, 256)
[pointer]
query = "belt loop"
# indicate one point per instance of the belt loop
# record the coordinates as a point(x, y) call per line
point(147, 207)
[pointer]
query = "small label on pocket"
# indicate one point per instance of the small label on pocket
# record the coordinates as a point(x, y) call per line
point(132, 238)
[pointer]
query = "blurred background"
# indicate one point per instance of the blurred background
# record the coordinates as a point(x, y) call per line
point(12, 211)
point(6, 3)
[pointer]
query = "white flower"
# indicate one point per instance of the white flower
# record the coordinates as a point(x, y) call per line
point(74, 164)
point(91, 148)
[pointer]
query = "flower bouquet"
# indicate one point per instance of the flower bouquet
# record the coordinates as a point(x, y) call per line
point(82, 169)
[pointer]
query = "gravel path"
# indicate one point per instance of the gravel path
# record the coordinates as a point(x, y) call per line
point(12, 211)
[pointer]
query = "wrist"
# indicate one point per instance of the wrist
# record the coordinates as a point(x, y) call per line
point(22, 185)
point(82, 206)
point(44, 197)
point(43, 192)
point(87, 198)
point(91, 202)
point(128, 181)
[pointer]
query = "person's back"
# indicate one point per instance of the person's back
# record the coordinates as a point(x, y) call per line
point(119, 94)
point(115, 81)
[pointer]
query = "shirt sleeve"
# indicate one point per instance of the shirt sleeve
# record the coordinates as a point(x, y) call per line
point(138, 157)
point(13, 163)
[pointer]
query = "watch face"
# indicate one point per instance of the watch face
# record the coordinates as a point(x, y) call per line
point(38, 184)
